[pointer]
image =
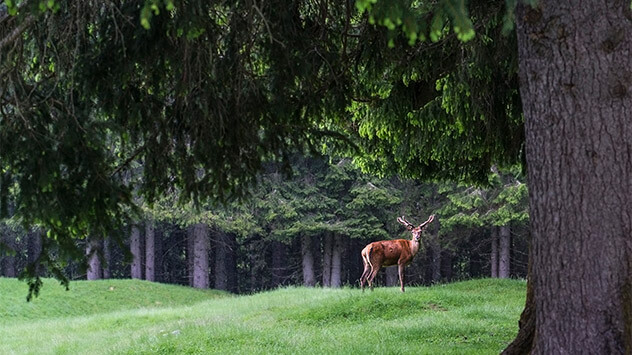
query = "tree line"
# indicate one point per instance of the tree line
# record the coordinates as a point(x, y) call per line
point(305, 228)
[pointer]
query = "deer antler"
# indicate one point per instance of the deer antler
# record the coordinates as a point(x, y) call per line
point(403, 221)
point(430, 219)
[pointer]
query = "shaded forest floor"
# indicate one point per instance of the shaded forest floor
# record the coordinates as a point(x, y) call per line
point(132, 316)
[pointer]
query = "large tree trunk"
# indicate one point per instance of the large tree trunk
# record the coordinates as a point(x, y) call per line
point(93, 248)
point(327, 251)
point(225, 264)
point(135, 249)
point(575, 87)
point(336, 262)
point(309, 277)
point(201, 246)
point(504, 252)
point(494, 255)
point(150, 251)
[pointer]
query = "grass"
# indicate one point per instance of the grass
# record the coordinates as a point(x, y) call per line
point(139, 317)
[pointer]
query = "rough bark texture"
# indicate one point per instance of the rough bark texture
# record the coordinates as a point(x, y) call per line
point(494, 255)
point(135, 249)
point(150, 251)
point(225, 264)
point(201, 246)
point(504, 242)
point(307, 255)
point(336, 262)
point(575, 86)
point(93, 248)
point(327, 249)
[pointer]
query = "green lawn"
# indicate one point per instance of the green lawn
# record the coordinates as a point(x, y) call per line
point(130, 316)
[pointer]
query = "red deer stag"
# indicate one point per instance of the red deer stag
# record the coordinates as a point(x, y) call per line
point(391, 252)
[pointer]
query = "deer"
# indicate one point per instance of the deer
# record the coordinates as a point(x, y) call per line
point(391, 252)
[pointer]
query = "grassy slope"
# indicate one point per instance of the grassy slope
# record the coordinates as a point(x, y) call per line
point(140, 317)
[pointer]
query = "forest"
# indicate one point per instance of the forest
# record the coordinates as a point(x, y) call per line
point(306, 229)
point(243, 145)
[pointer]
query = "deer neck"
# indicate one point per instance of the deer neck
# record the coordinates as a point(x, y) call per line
point(414, 246)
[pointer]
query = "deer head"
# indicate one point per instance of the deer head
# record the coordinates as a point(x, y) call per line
point(415, 230)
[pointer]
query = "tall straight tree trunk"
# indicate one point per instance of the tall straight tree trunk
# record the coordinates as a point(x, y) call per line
point(190, 252)
point(225, 263)
point(446, 265)
point(107, 257)
point(327, 252)
point(504, 252)
point(279, 263)
point(93, 248)
point(8, 261)
point(336, 262)
point(307, 257)
point(135, 249)
point(34, 250)
point(150, 251)
point(201, 246)
point(494, 254)
point(435, 250)
point(392, 276)
point(575, 87)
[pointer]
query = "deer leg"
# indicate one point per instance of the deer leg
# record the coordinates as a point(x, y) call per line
point(401, 275)
point(376, 268)
point(365, 275)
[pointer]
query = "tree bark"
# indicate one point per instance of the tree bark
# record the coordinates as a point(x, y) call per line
point(446, 265)
point(435, 250)
point(150, 251)
point(279, 263)
point(575, 86)
point(107, 257)
point(392, 276)
point(201, 246)
point(504, 251)
point(93, 247)
point(34, 250)
point(336, 262)
point(327, 251)
point(494, 254)
point(135, 249)
point(190, 252)
point(225, 264)
point(307, 254)
point(8, 261)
